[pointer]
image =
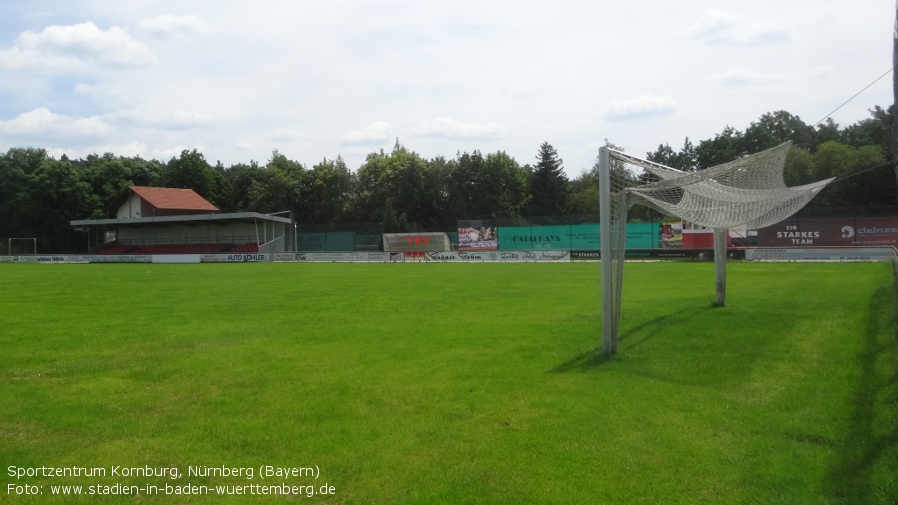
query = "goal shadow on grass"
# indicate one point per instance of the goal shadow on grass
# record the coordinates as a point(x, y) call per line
point(648, 330)
point(872, 439)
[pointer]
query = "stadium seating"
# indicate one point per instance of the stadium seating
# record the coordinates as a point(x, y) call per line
point(249, 248)
point(115, 249)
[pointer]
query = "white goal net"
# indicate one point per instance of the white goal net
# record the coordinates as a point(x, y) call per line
point(21, 246)
point(749, 192)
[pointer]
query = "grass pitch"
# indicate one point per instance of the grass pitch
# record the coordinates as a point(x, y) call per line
point(423, 384)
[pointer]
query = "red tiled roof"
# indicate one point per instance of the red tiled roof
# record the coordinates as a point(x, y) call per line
point(173, 199)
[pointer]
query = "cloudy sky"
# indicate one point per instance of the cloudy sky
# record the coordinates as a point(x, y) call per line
point(237, 79)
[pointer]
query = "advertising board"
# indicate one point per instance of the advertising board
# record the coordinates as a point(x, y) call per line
point(831, 232)
point(820, 254)
point(499, 256)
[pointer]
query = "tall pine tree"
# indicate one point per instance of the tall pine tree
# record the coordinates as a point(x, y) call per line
point(548, 184)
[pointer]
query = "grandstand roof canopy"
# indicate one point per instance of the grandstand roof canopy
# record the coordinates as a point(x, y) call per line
point(185, 220)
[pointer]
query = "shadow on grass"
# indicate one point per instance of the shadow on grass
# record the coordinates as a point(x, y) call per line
point(851, 479)
point(594, 358)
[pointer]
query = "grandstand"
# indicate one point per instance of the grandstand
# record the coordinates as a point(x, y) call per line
point(147, 220)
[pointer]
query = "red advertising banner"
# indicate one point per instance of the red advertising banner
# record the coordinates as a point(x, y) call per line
point(834, 232)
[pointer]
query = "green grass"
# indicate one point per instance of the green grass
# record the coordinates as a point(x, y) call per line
point(423, 384)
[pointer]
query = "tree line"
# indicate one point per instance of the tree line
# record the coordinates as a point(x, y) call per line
point(401, 191)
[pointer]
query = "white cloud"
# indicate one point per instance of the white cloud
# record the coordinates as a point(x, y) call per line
point(15, 58)
point(444, 126)
point(41, 123)
point(173, 120)
point(729, 27)
point(173, 152)
point(375, 133)
point(168, 24)
point(743, 76)
point(83, 88)
point(286, 135)
point(68, 47)
point(645, 105)
point(822, 72)
point(133, 148)
point(184, 119)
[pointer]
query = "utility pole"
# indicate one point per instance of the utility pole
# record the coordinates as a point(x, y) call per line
point(894, 149)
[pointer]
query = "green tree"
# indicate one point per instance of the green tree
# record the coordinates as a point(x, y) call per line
point(684, 160)
point(17, 169)
point(403, 179)
point(240, 179)
point(328, 191)
point(548, 184)
point(860, 183)
point(494, 186)
point(279, 187)
point(725, 146)
point(191, 170)
point(774, 128)
point(872, 131)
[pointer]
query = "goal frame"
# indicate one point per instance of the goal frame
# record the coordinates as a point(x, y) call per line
point(611, 278)
point(9, 244)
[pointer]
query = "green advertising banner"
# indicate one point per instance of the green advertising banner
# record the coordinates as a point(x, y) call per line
point(326, 241)
point(584, 236)
point(529, 238)
point(312, 241)
point(581, 237)
point(643, 235)
point(368, 242)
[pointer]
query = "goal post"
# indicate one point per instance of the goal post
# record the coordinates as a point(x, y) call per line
point(17, 246)
point(720, 265)
point(609, 331)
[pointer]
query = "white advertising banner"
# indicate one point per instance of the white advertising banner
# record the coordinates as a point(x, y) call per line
point(176, 258)
point(331, 256)
point(234, 258)
point(820, 254)
point(499, 256)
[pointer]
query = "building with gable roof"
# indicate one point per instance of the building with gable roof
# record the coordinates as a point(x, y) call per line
point(150, 220)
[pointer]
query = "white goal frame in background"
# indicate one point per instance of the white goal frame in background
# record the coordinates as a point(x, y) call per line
point(20, 251)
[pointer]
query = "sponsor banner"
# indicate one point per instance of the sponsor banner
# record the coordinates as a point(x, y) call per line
point(498, 256)
point(834, 232)
point(40, 259)
point(120, 258)
point(366, 242)
point(176, 258)
point(51, 258)
point(534, 255)
point(671, 235)
point(528, 238)
point(820, 254)
point(380, 257)
point(660, 254)
point(281, 257)
point(586, 255)
point(232, 258)
point(312, 256)
point(326, 241)
point(484, 238)
point(580, 237)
